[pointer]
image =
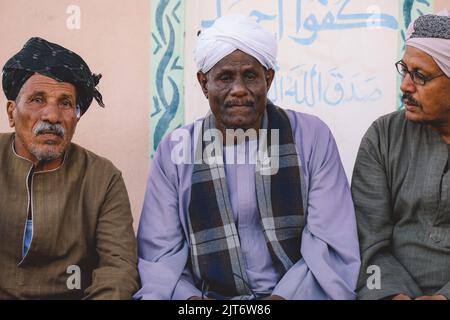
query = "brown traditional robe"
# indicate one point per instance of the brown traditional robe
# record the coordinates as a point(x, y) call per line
point(82, 227)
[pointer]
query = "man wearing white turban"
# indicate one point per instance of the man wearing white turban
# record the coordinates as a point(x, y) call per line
point(401, 180)
point(231, 33)
point(226, 230)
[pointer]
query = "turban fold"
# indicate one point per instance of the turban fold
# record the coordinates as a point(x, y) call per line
point(431, 34)
point(234, 32)
point(56, 62)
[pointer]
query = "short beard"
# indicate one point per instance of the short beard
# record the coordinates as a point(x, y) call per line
point(45, 155)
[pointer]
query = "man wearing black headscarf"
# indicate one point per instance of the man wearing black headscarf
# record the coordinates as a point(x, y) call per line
point(65, 219)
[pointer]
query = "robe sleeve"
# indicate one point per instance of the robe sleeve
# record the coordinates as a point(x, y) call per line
point(163, 249)
point(445, 291)
point(330, 252)
point(116, 276)
point(373, 205)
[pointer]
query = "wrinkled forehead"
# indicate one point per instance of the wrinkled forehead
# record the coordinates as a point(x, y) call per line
point(419, 59)
point(47, 85)
point(237, 59)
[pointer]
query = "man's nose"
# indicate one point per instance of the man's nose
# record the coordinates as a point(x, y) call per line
point(239, 87)
point(407, 84)
point(51, 112)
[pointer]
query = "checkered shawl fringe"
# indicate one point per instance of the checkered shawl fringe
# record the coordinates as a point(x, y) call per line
point(215, 252)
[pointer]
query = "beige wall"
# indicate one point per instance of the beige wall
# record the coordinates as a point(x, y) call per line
point(441, 4)
point(114, 40)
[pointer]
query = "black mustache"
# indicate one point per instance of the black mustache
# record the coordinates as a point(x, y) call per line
point(408, 98)
point(239, 103)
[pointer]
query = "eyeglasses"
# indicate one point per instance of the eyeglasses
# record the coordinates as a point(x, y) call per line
point(416, 76)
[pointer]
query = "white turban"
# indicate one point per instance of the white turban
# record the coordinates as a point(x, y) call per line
point(234, 32)
point(431, 34)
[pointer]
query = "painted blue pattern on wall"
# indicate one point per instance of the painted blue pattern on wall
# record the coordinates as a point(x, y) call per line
point(167, 69)
point(409, 11)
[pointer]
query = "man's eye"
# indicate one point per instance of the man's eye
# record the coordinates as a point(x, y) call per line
point(250, 76)
point(419, 76)
point(404, 69)
point(37, 100)
point(224, 77)
point(66, 103)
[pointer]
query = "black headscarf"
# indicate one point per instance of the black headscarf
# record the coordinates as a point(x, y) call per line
point(54, 61)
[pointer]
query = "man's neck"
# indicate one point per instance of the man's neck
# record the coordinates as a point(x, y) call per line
point(39, 166)
point(231, 137)
point(443, 130)
point(48, 165)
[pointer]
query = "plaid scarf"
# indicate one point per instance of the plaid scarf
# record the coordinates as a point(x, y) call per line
point(215, 256)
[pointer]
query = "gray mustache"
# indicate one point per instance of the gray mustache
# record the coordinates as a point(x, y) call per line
point(45, 127)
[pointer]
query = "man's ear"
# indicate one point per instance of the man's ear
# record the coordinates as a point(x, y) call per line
point(270, 74)
point(10, 107)
point(203, 81)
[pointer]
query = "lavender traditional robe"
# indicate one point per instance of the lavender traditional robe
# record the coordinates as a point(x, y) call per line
point(330, 259)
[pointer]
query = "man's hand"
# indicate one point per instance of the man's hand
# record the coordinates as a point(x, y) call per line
point(199, 298)
point(436, 297)
point(401, 297)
